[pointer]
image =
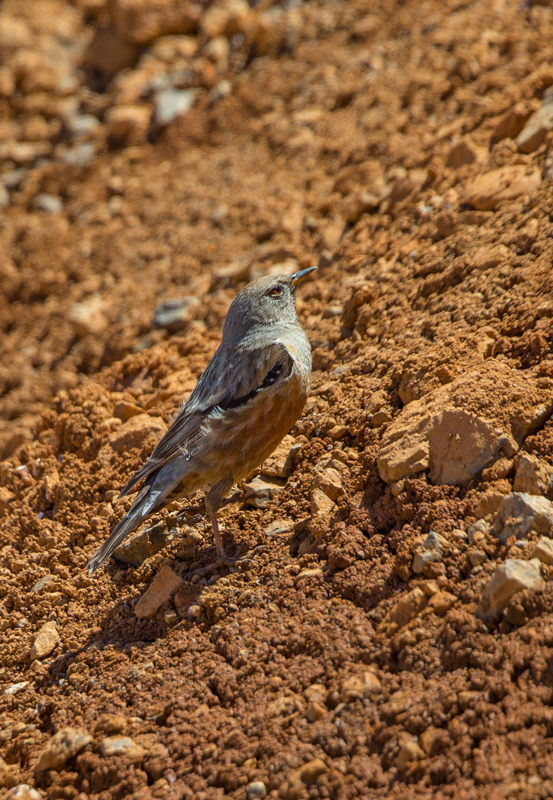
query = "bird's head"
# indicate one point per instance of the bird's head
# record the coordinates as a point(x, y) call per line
point(266, 302)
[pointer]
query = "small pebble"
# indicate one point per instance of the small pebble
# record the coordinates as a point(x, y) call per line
point(256, 790)
point(49, 203)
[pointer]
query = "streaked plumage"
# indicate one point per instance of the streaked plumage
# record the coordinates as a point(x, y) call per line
point(249, 396)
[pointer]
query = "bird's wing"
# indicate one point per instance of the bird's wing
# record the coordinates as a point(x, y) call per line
point(228, 382)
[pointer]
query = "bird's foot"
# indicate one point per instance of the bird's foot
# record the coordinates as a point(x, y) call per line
point(240, 561)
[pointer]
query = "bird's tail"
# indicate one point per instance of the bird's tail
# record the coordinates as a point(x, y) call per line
point(147, 501)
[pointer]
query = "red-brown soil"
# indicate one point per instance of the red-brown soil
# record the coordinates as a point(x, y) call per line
point(413, 290)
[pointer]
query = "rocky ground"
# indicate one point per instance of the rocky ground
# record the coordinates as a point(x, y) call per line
point(392, 636)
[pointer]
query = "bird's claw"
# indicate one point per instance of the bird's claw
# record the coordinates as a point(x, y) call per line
point(236, 562)
point(232, 562)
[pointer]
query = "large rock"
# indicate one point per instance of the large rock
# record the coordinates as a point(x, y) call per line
point(308, 773)
point(486, 192)
point(511, 123)
point(9, 775)
point(65, 744)
point(457, 430)
point(520, 513)
point(128, 124)
point(165, 583)
point(409, 750)
point(329, 481)
point(511, 577)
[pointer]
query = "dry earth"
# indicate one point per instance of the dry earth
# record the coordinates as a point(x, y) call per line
point(392, 637)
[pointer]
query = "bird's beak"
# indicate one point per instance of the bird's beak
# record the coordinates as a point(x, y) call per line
point(300, 276)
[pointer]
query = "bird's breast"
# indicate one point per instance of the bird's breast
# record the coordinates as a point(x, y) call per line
point(240, 439)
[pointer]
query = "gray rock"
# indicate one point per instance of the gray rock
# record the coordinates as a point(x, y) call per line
point(175, 314)
point(169, 104)
point(49, 203)
point(79, 156)
point(432, 550)
point(15, 687)
point(520, 513)
point(256, 790)
point(146, 543)
point(511, 577)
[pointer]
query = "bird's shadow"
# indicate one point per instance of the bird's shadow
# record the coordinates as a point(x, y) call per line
point(120, 629)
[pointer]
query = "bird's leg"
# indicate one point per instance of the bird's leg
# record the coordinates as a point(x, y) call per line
point(213, 502)
point(212, 514)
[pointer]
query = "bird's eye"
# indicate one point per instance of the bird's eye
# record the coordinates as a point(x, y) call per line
point(276, 291)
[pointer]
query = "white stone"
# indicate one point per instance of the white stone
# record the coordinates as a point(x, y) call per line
point(171, 104)
point(256, 790)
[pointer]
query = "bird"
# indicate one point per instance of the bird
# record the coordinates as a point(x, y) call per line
point(249, 396)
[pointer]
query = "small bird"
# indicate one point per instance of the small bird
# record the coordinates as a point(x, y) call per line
point(249, 396)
